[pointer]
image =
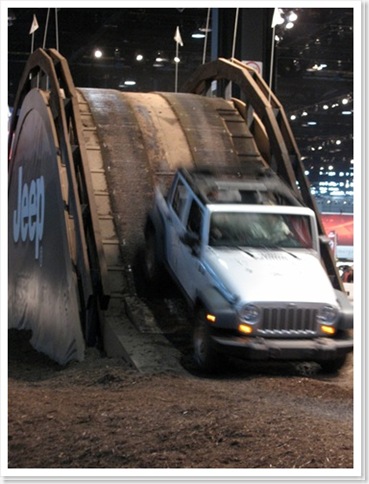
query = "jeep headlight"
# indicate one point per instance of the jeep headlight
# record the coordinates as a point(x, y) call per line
point(250, 314)
point(327, 314)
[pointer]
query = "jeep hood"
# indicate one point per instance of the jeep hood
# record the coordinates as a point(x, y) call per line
point(274, 275)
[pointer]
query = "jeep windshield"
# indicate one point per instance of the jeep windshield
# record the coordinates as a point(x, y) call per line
point(261, 230)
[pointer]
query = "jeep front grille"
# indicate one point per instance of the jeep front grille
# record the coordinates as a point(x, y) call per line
point(288, 321)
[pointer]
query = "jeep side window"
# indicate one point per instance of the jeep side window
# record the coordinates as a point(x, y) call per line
point(194, 222)
point(179, 198)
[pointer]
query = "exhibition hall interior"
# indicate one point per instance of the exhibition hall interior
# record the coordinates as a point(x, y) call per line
point(307, 57)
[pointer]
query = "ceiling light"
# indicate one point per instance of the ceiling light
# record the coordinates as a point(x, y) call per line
point(325, 107)
point(312, 123)
point(346, 112)
point(198, 35)
point(139, 57)
point(98, 54)
point(290, 25)
point(177, 60)
point(293, 117)
point(319, 67)
point(129, 83)
point(205, 29)
point(345, 101)
point(292, 17)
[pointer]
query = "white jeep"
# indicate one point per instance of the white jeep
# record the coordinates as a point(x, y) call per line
point(246, 255)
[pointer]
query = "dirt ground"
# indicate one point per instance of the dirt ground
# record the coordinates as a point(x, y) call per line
point(103, 414)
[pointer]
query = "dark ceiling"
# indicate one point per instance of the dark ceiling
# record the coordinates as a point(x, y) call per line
point(313, 64)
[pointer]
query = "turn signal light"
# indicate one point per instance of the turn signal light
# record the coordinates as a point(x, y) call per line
point(211, 318)
point(245, 328)
point(328, 329)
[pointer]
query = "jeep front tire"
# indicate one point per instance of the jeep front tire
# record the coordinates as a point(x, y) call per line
point(204, 354)
point(152, 267)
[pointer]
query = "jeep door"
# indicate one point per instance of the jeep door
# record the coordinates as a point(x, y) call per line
point(175, 226)
point(190, 268)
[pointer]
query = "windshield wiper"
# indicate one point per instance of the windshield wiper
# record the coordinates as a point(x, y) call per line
point(245, 251)
point(288, 252)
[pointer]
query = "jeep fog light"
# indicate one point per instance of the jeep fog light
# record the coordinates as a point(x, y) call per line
point(250, 314)
point(211, 317)
point(327, 315)
point(330, 330)
point(245, 328)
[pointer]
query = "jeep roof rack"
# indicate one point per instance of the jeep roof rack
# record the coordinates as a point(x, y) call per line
point(239, 185)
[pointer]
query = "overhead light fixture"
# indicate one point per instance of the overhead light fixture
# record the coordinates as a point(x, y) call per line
point(198, 35)
point(127, 83)
point(317, 67)
point(205, 29)
point(98, 53)
point(160, 58)
point(290, 25)
point(139, 57)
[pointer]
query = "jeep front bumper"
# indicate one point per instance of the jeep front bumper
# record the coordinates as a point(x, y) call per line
point(283, 349)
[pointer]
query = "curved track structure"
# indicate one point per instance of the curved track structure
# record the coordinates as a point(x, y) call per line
point(83, 166)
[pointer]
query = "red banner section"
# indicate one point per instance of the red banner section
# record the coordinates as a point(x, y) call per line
point(341, 225)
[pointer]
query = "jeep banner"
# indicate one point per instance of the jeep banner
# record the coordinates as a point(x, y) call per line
point(42, 286)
